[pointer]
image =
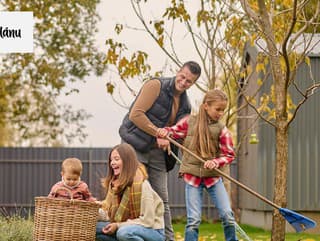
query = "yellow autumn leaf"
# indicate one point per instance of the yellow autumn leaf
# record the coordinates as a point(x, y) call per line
point(260, 67)
point(251, 100)
point(118, 28)
point(242, 74)
point(122, 63)
point(110, 88)
point(111, 57)
point(160, 41)
point(307, 60)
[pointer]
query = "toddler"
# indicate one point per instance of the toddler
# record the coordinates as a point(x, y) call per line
point(71, 170)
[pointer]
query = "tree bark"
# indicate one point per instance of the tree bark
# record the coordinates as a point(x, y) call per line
point(280, 185)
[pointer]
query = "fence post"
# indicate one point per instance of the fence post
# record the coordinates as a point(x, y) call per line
point(90, 167)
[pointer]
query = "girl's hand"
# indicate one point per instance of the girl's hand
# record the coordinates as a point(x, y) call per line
point(211, 164)
point(162, 132)
point(110, 228)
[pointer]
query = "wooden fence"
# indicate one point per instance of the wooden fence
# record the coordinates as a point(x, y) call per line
point(29, 172)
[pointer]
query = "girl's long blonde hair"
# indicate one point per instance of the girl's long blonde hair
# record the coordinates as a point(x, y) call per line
point(201, 139)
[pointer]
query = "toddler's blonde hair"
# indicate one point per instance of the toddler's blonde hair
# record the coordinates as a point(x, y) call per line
point(72, 165)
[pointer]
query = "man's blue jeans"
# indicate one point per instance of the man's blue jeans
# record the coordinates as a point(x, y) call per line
point(130, 233)
point(220, 198)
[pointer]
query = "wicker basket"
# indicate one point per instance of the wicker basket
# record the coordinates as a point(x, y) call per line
point(64, 220)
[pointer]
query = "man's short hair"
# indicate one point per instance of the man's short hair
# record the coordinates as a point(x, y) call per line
point(193, 66)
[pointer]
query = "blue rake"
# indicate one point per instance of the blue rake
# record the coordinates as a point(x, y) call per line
point(297, 221)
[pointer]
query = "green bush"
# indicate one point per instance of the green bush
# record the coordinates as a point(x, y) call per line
point(15, 228)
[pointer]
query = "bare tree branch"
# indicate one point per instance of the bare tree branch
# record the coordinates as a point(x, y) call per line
point(136, 7)
point(307, 94)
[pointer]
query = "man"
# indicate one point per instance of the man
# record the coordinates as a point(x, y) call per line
point(161, 102)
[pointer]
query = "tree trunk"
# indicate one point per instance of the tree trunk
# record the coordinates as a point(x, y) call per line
point(280, 181)
point(280, 178)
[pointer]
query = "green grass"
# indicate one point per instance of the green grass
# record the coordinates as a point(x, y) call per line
point(214, 232)
point(18, 229)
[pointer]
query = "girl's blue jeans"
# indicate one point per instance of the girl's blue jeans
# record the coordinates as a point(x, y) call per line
point(130, 233)
point(220, 198)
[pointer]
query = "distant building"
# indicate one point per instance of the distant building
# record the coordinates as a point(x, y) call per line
point(256, 161)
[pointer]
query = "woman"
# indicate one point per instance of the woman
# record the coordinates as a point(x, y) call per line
point(133, 209)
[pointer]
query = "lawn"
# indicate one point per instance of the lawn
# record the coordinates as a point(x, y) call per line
point(214, 232)
point(18, 229)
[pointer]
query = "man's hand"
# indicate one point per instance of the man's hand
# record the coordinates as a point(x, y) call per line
point(164, 144)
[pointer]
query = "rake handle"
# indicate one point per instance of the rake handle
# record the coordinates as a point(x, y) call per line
point(225, 175)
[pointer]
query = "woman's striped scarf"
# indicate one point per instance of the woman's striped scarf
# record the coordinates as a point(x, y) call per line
point(128, 206)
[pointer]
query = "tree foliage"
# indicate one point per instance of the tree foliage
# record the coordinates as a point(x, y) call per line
point(64, 52)
point(280, 28)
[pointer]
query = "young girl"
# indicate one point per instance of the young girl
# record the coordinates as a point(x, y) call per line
point(134, 210)
point(204, 135)
point(71, 170)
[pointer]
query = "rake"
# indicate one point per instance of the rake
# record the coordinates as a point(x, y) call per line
point(297, 221)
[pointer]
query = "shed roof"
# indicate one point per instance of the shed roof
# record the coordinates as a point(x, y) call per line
point(305, 42)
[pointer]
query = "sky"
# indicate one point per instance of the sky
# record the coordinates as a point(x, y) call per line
point(102, 127)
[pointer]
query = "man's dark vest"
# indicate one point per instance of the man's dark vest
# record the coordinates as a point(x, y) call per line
point(159, 114)
point(191, 164)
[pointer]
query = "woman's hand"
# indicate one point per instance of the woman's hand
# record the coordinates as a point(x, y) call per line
point(110, 228)
point(211, 164)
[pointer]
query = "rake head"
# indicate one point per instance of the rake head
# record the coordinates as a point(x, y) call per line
point(297, 221)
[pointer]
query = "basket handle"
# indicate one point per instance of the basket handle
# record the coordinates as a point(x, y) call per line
point(63, 188)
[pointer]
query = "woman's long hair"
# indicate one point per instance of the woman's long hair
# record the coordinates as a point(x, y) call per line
point(129, 168)
point(202, 138)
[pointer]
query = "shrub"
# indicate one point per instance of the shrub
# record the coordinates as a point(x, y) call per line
point(15, 228)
